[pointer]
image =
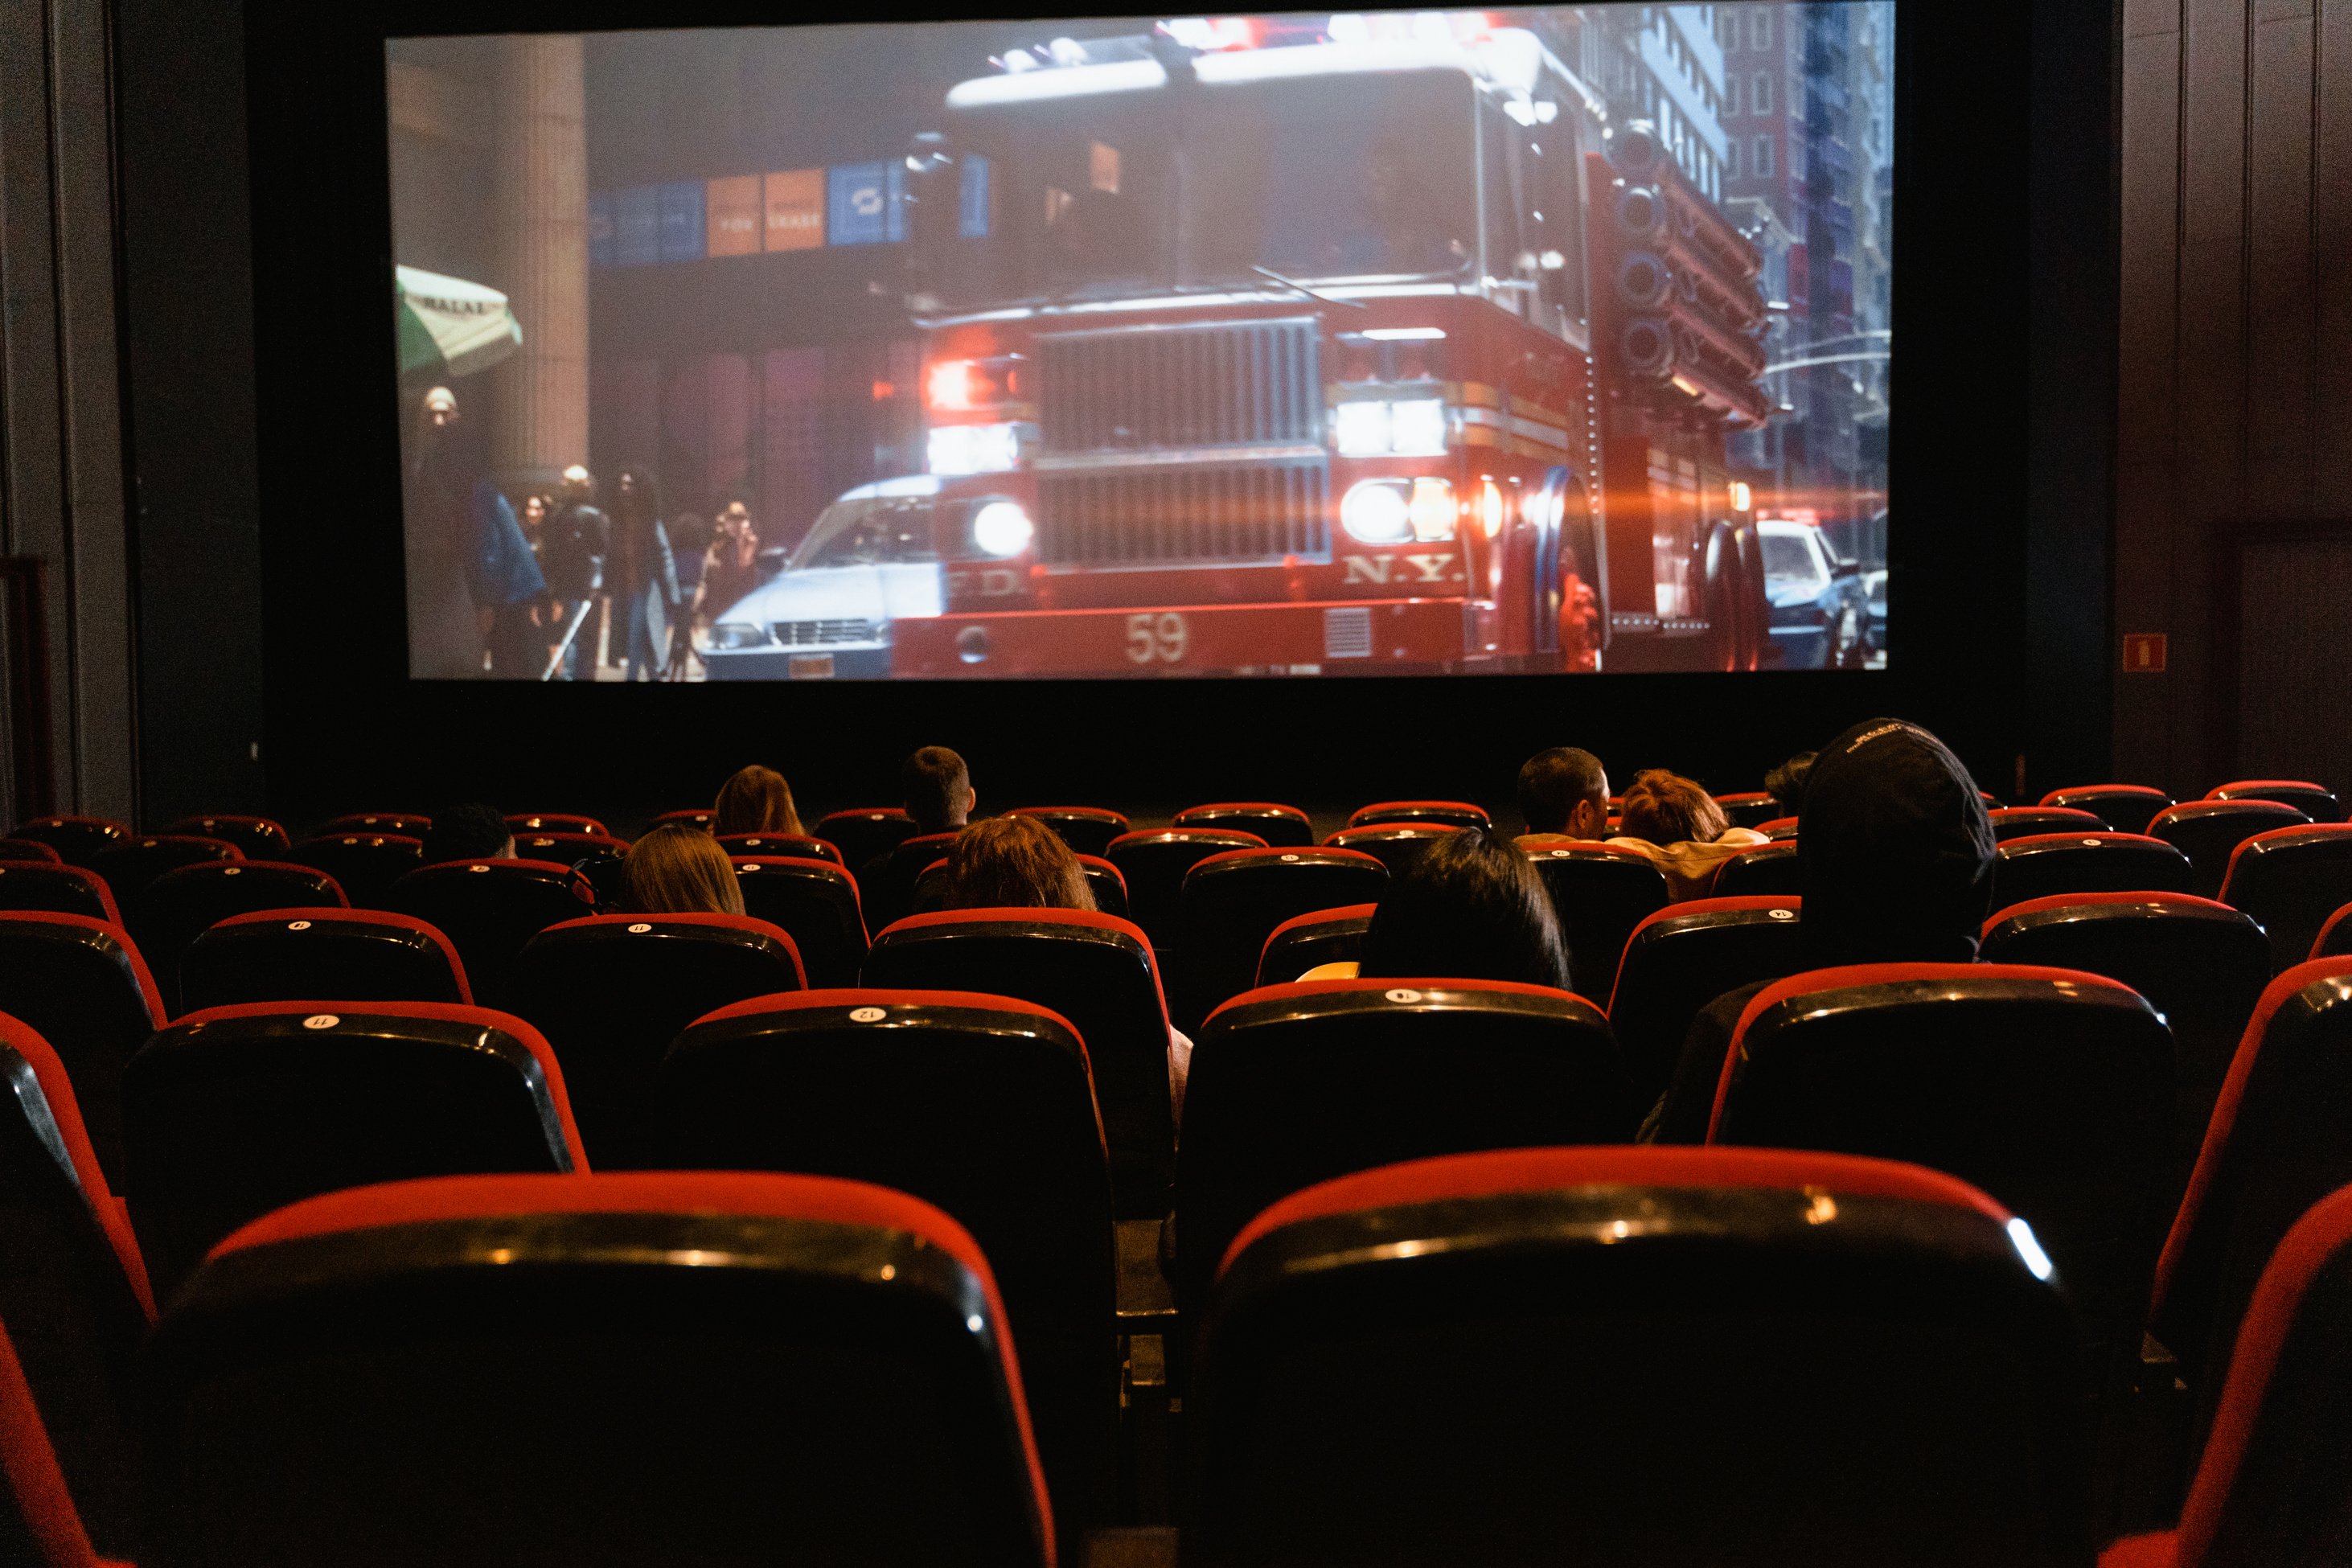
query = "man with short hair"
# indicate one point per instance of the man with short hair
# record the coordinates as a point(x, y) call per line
point(470, 831)
point(1563, 794)
point(936, 788)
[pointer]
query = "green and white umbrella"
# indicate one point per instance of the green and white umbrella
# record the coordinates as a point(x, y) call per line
point(449, 327)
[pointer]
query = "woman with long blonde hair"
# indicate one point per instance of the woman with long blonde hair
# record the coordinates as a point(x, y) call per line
point(678, 869)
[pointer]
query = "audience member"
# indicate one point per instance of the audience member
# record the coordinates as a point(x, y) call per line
point(1563, 796)
point(1471, 908)
point(936, 789)
point(1786, 783)
point(1677, 825)
point(1896, 862)
point(678, 869)
point(468, 832)
point(755, 800)
point(1015, 862)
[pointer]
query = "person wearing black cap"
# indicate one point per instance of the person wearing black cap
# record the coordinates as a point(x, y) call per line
point(1895, 856)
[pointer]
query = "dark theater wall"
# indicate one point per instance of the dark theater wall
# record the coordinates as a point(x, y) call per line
point(2233, 532)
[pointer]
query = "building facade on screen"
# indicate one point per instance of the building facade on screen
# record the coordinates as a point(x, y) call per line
point(1302, 346)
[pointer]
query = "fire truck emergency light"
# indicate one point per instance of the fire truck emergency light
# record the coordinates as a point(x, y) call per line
point(1413, 428)
point(972, 448)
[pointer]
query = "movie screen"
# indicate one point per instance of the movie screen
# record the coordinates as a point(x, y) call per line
point(1298, 345)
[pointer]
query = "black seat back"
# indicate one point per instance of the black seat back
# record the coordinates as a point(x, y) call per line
point(1297, 1084)
point(79, 840)
point(297, 955)
point(180, 905)
point(1600, 895)
point(1087, 829)
point(2051, 865)
point(488, 909)
point(38, 887)
point(258, 837)
point(2209, 831)
point(2291, 879)
point(1769, 871)
point(1682, 958)
point(364, 865)
point(611, 992)
point(1282, 826)
point(1154, 863)
point(863, 834)
point(816, 903)
point(1234, 901)
point(81, 985)
point(233, 1112)
point(2124, 808)
point(1309, 941)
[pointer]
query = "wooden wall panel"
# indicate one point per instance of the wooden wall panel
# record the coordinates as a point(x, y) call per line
point(2234, 403)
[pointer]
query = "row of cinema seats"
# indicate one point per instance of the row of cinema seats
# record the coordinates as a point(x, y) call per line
point(1606, 1354)
point(1269, 1137)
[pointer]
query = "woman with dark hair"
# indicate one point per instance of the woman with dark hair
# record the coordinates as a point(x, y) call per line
point(1674, 822)
point(755, 800)
point(1015, 862)
point(644, 574)
point(1472, 908)
point(679, 869)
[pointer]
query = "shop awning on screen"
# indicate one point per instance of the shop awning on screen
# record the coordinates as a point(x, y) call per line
point(449, 327)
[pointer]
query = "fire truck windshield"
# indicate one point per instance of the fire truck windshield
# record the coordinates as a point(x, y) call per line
point(1315, 178)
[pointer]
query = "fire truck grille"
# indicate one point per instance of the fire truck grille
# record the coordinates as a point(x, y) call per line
point(1244, 383)
point(1209, 516)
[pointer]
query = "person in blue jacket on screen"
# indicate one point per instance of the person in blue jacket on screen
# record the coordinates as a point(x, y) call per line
point(506, 581)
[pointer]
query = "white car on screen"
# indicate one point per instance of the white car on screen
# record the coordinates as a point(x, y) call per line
point(870, 560)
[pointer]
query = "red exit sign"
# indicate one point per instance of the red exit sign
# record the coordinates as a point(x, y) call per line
point(2144, 653)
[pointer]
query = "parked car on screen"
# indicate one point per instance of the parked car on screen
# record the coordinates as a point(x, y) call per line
point(1820, 609)
point(870, 560)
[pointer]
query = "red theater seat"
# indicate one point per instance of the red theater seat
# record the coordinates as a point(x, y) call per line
point(369, 823)
point(1683, 957)
point(79, 840)
point(1629, 1356)
point(568, 848)
point(29, 849)
point(2279, 1140)
point(1297, 1084)
point(1600, 896)
point(52, 886)
point(888, 889)
point(555, 822)
point(294, 955)
point(2316, 802)
point(816, 903)
point(235, 1111)
point(689, 1367)
point(180, 906)
point(488, 909)
point(982, 1105)
point(2050, 864)
point(1748, 808)
point(1106, 883)
point(364, 865)
point(1154, 863)
point(80, 984)
point(2270, 1487)
point(796, 845)
point(2335, 937)
point(2024, 821)
point(1396, 845)
point(73, 1289)
point(1305, 942)
point(863, 834)
point(1773, 827)
point(2291, 879)
point(260, 837)
point(2209, 831)
point(1454, 812)
point(2126, 809)
point(611, 992)
point(2202, 964)
point(1282, 826)
point(697, 817)
point(1094, 970)
point(1234, 901)
point(2051, 1089)
point(39, 1525)
point(129, 868)
point(1088, 829)
point(1769, 871)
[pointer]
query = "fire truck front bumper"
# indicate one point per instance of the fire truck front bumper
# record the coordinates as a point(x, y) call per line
point(1320, 638)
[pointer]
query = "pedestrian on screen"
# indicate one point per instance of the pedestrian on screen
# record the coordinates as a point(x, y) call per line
point(573, 549)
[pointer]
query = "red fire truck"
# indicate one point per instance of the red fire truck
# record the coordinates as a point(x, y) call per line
point(1369, 348)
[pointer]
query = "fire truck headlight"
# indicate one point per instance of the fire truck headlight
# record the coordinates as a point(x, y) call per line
point(1001, 528)
point(1490, 508)
point(1362, 429)
point(973, 449)
point(1432, 510)
point(1376, 512)
point(1417, 429)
